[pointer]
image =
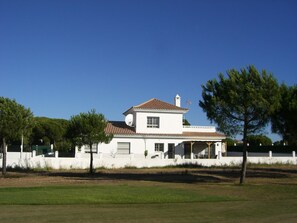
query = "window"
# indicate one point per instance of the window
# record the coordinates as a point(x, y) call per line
point(123, 148)
point(153, 122)
point(159, 147)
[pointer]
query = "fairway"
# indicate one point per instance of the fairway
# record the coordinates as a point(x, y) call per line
point(150, 195)
point(111, 194)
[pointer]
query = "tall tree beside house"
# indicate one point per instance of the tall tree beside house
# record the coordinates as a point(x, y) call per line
point(241, 103)
point(88, 129)
point(15, 121)
point(284, 120)
point(49, 131)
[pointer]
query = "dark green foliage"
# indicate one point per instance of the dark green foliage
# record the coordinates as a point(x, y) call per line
point(241, 103)
point(15, 121)
point(256, 140)
point(284, 120)
point(244, 98)
point(88, 129)
point(49, 131)
point(229, 141)
point(264, 149)
point(279, 143)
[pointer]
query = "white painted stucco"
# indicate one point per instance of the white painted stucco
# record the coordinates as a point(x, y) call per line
point(170, 131)
point(143, 142)
point(170, 123)
point(106, 161)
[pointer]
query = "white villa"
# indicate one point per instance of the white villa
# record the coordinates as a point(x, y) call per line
point(157, 128)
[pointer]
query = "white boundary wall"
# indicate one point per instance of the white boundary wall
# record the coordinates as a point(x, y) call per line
point(106, 161)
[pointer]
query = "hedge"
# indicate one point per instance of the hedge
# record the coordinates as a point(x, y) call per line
point(263, 149)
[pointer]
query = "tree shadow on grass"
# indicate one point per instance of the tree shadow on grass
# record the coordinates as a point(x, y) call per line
point(182, 175)
point(160, 176)
point(251, 173)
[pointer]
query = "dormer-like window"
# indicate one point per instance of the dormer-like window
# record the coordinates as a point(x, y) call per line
point(153, 122)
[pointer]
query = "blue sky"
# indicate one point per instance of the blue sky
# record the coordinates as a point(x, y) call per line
point(63, 57)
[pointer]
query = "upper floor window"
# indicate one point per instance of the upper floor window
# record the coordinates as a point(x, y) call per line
point(153, 122)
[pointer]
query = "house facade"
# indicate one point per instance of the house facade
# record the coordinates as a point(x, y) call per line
point(154, 129)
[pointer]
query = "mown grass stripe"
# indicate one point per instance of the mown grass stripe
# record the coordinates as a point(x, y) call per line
point(103, 195)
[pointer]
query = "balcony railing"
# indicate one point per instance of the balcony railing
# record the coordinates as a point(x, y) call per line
point(194, 128)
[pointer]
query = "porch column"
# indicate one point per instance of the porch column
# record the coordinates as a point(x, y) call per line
point(192, 155)
point(209, 145)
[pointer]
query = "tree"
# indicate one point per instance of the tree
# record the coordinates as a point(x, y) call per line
point(88, 129)
point(284, 119)
point(241, 103)
point(230, 141)
point(256, 140)
point(15, 121)
point(49, 131)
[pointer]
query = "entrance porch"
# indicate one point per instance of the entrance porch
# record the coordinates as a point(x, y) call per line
point(202, 149)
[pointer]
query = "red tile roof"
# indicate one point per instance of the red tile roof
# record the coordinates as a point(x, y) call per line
point(155, 104)
point(119, 128)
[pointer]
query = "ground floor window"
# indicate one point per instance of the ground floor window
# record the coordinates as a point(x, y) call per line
point(159, 147)
point(123, 148)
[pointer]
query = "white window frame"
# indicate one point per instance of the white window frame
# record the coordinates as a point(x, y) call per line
point(153, 122)
point(159, 147)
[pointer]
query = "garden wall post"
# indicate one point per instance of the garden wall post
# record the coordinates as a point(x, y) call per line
point(219, 155)
point(33, 153)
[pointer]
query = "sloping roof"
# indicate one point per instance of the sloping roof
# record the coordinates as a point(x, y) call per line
point(120, 128)
point(158, 105)
point(155, 104)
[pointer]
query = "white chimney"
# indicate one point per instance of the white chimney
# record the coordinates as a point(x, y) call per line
point(177, 100)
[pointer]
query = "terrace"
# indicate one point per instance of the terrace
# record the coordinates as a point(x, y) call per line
point(195, 128)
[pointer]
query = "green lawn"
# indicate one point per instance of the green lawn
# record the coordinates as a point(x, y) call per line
point(262, 200)
point(117, 194)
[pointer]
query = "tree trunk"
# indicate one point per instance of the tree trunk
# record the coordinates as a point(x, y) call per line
point(244, 155)
point(4, 157)
point(243, 167)
point(91, 160)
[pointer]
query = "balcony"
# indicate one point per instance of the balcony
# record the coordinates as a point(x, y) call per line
point(194, 128)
